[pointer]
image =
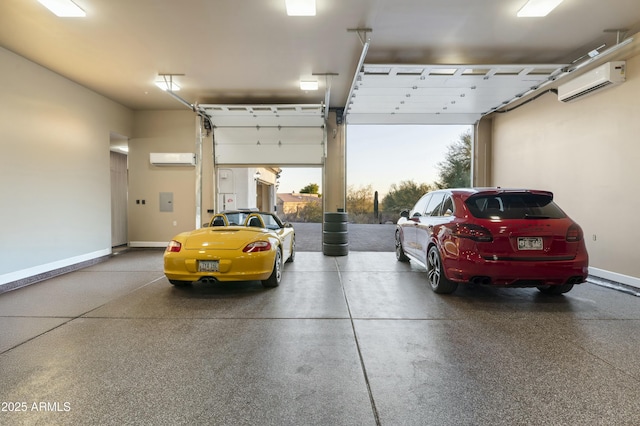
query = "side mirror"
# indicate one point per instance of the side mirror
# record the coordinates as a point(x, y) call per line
point(205, 225)
point(288, 225)
point(404, 213)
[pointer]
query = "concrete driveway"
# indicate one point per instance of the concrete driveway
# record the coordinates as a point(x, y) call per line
point(362, 237)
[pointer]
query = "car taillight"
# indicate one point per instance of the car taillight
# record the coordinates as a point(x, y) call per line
point(471, 231)
point(257, 246)
point(574, 233)
point(174, 246)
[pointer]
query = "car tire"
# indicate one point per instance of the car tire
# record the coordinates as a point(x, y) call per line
point(180, 283)
point(335, 249)
point(555, 289)
point(341, 237)
point(400, 255)
point(276, 275)
point(335, 227)
point(435, 273)
point(292, 257)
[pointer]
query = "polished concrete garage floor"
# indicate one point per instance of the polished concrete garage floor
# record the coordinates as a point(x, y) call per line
point(353, 340)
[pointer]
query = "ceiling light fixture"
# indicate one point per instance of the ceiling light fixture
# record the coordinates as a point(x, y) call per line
point(166, 83)
point(300, 7)
point(308, 85)
point(64, 8)
point(538, 8)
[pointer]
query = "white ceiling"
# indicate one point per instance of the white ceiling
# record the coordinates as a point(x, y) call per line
point(250, 52)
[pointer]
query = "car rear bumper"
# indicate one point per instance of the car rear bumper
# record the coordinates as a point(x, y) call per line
point(512, 273)
point(247, 267)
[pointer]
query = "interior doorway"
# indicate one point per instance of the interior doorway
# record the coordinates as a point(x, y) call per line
point(119, 190)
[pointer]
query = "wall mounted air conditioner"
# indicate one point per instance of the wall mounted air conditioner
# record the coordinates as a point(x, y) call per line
point(172, 158)
point(605, 75)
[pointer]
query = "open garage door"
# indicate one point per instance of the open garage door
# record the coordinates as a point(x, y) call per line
point(441, 94)
point(262, 135)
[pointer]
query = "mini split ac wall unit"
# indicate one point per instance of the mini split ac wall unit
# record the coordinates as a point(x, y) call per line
point(172, 158)
point(605, 75)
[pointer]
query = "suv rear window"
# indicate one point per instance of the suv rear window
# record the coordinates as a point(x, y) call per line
point(514, 206)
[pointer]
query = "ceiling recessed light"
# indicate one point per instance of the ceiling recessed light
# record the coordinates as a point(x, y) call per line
point(168, 85)
point(309, 85)
point(538, 8)
point(300, 7)
point(64, 8)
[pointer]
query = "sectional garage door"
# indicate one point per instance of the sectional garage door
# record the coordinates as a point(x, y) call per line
point(264, 135)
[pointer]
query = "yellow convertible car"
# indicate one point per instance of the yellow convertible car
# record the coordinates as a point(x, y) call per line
point(234, 246)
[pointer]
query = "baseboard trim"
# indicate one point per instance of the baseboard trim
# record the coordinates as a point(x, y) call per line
point(614, 277)
point(25, 277)
point(153, 244)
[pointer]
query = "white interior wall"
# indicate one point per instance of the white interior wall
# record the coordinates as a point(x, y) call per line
point(587, 153)
point(54, 169)
point(161, 131)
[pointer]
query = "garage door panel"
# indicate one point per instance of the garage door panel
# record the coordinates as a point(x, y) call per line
point(268, 134)
point(289, 155)
point(260, 145)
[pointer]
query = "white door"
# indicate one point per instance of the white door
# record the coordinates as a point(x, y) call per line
point(118, 199)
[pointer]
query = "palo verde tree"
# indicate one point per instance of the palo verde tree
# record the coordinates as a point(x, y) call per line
point(360, 199)
point(455, 170)
point(404, 195)
point(311, 212)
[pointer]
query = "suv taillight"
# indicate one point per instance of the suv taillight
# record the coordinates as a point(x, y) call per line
point(471, 231)
point(574, 233)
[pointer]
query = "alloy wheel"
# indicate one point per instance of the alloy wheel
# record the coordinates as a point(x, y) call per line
point(433, 268)
point(278, 266)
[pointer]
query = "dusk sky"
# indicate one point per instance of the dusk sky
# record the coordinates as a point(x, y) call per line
point(382, 155)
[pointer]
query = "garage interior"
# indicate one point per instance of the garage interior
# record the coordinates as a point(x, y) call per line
point(94, 337)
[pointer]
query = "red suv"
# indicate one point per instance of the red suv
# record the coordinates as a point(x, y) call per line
point(493, 236)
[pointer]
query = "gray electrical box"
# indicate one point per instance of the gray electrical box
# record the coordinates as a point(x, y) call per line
point(166, 201)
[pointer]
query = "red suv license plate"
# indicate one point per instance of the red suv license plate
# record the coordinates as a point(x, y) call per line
point(530, 243)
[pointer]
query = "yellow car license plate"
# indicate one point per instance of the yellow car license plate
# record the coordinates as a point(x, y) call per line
point(208, 266)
